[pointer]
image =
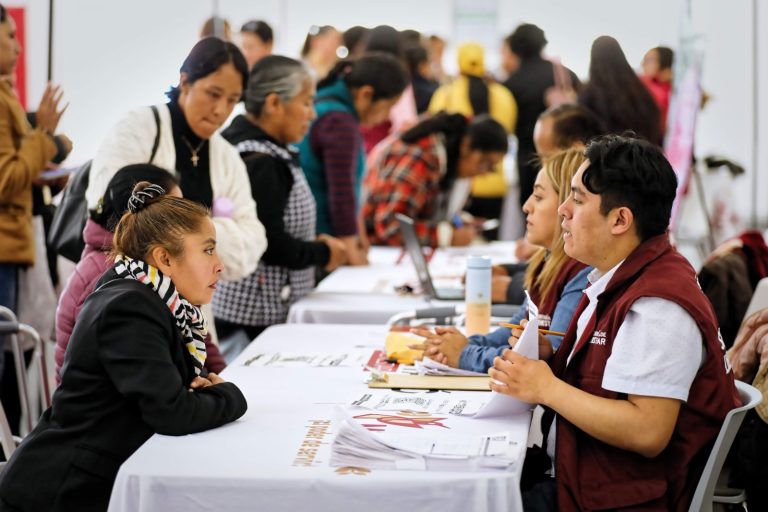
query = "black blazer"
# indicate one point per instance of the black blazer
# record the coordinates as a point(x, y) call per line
point(125, 377)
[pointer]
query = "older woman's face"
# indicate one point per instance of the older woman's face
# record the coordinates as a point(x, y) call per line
point(209, 101)
point(298, 113)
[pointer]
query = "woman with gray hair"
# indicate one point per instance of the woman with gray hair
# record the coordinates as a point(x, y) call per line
point(279, 104)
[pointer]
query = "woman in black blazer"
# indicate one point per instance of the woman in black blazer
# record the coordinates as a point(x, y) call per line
point(134, 365)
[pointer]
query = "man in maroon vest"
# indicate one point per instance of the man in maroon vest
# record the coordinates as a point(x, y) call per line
point(640, 385)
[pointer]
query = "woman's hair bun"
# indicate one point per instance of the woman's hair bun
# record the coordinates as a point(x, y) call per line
point(144, 194)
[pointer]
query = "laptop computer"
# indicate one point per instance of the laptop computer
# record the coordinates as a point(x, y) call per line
point(413, 247)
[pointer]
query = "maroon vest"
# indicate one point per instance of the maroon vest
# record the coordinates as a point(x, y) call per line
point(547, 305)
point(593, 475)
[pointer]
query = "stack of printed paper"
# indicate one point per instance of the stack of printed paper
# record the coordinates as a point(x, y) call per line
point(459, 404)
point(422, 441)
point(429, 366)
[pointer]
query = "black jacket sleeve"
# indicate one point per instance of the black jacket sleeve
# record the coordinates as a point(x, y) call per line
point(135, 347)
point(271, 183)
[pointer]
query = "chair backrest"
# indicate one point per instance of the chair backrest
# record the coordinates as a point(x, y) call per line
point(11, 327)
point(702, 498)
point(438, 315)
point(449, 315)
point(759, 298)
point(7, 442)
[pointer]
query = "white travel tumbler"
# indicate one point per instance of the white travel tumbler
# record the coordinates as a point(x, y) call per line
point(478, 295)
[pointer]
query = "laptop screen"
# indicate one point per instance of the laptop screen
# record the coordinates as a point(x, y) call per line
point(412, 245)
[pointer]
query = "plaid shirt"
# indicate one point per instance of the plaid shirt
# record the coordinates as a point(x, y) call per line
point(405, 179)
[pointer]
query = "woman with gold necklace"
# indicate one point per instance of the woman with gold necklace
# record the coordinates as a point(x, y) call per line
point(210, 171)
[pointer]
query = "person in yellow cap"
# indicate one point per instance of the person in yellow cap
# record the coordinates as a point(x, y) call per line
point(472, 94)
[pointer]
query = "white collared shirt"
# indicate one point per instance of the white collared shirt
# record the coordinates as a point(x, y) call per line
point(598, 282)
point(657, 350)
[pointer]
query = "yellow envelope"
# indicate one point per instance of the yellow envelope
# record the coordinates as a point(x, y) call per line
point(396, 346)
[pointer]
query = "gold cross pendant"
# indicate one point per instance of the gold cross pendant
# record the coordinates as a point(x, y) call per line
point(194, 159)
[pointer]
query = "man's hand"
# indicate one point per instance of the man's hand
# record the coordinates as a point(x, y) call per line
point(545, 346)
point(642, 424)
point(529, 380)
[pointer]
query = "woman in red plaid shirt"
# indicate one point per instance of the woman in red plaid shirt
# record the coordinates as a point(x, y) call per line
point(422, 174)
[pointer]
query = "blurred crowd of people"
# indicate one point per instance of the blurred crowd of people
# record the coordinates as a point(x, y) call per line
point(304, 176)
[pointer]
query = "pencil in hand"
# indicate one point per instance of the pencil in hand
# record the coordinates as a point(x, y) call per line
point(542, 331)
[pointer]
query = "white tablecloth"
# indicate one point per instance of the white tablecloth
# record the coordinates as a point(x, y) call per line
point(256, 463)
point(356, 308)
point(362, 295)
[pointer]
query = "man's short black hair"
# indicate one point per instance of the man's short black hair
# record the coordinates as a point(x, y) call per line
point(626, 171)
point(526, 41)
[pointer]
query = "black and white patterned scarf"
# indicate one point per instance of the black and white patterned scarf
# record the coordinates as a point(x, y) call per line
point(189, 318)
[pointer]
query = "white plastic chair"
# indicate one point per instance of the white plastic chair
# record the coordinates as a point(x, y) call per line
point(705, 495)
point(8, 441)
point(11, 327)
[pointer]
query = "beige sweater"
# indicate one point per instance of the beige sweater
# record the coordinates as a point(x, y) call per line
point(23, 155)
point(241, 239)
point(749, 356)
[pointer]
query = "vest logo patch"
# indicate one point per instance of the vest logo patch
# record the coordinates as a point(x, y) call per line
point(545, 320)
point(598, 338)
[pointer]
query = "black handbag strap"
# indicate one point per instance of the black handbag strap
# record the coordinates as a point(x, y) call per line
point(156, 114)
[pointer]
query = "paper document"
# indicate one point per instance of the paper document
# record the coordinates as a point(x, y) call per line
point(308, 359)
point(434, 403)
point(397, 343)
point(377, 441)
point(429, 366)
point(528, 346)
point(404, 381)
